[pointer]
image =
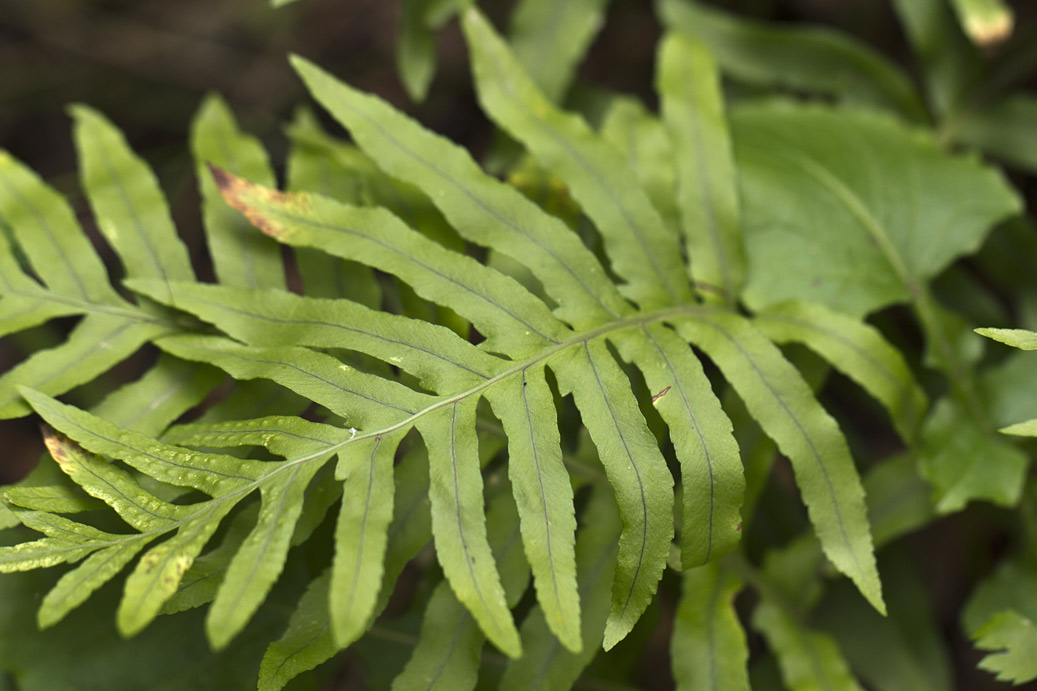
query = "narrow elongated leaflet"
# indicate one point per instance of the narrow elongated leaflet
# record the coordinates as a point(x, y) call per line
point(25, 302)
point(112, 485)
point(211, 473)
point(337, 169)
point(159, 571)
point(708, 648)
point(361, 533)
point(306, 642)
point(411, 527)
point(783, 404)
point(856, 349)
point(1017, 338)
point(128, 203)
point(261, 557)
point(809, 659)
point(544, 496)
point(240, 256)
point(166, 391)
point(58, 498)
point(711, 469)
point(75, 586)
point(442, 360)
point(457, 521)
point(415, 49)
point(96, 344)
point(550, 38)
point(497, 305)
point(545, 664)
point(446, 657)
point(283, 435)
point(480, 208)
point(66, 541)
point(800, 58)
point(205, 576)
point(642, 250)
point(707, 188)
point(46, 230)
point(643, 140)
point(636, 470)
point(364, 399)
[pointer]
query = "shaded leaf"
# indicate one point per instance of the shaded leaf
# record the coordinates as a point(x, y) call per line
point(806, 170)
point(550, 38)
point(240, 256)
point(797, 58)
point(786, 409)
point(1014, 640)
point(708, 647)
point(707, 189)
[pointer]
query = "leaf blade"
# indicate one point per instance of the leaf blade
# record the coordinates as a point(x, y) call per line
point(544, 497)
point(636, 471)
point(240, 256)
point(457, 523)
point(693, 111)
point(641, 249)
point(129, 206)
point(786, 409)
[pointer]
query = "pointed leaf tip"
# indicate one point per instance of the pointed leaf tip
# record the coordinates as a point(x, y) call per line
point(55, 443)
point(260, 205)
point(219, 175)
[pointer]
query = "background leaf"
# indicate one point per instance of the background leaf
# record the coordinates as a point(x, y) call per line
point(893, 195)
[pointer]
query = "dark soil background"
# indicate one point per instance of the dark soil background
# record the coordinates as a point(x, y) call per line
point(148, 63)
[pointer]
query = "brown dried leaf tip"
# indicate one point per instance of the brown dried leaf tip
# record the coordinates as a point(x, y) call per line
point(259, 204)
point(57, 444)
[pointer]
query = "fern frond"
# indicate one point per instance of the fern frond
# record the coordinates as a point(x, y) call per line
point(74, 281)
point(617, 339)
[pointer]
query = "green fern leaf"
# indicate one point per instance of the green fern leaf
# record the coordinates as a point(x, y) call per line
point(810, 59)
point(692, 107)
point(1017, 338)
point(856, 349)
point(481, 209)
point(305, 644)
point(361, 534)
point(447, 654)
point(642, 250)
point(798, 155)
point(708, 647)
point(647, 147)
point(545, 663)
point(786, 409)
point(75, 282)
point(239, 256)
point(550, 39)
point(128, 204)
point(1011, 635)
point(621, 349)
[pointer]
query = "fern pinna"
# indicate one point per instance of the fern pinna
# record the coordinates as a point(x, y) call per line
point(402, 396)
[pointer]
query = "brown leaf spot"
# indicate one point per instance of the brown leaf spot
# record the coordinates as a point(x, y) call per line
point(659, 395)
point(248, 199)
point(57, 444)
